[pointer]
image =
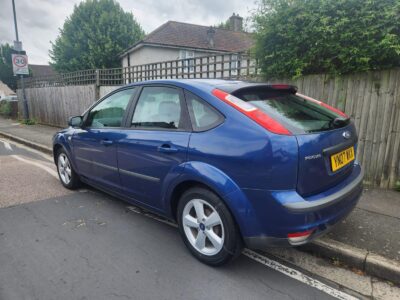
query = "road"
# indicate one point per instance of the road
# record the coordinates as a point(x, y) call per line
point(59, 244)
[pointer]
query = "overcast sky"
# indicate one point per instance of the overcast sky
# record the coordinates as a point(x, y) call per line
point(39, 20)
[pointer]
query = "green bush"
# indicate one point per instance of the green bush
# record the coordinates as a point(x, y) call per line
point(28, 121)
point(299, 37)
point(397, 185)
point(5, 108)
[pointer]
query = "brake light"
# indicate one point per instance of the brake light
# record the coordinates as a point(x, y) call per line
point(280, 86)
point(252, 112)
point(335, 110)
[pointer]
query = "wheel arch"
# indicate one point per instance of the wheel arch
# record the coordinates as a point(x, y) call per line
point(60, 142)
point(56, 148)
point(213, 179)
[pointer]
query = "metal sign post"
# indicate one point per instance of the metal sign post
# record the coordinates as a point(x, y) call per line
point(20, 64)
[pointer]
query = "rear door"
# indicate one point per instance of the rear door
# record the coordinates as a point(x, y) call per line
point(326, 137)
point(155, 145)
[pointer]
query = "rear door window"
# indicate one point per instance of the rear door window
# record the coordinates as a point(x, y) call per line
point(294, 112)
point(159, 108)
point(202, 115)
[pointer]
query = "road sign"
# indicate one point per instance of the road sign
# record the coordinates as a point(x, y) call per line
point(20, 64)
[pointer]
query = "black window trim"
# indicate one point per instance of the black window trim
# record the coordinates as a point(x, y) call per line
point(187, 126)
point(221, 116)
point(123, 121)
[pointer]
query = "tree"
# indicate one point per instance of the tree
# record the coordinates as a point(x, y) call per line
point(93, 36)
point(6, 69)
point(223, 25)
point(298, 37)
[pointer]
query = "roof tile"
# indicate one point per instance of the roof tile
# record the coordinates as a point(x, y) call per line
point(175, 33)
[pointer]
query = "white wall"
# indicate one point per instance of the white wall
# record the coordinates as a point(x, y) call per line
point(151, 54)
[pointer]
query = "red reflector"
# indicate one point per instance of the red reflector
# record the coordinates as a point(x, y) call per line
point(252, 112)
point(335, 110)
point(300, 234)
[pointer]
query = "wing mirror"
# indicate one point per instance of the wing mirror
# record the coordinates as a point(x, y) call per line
point(75, 122)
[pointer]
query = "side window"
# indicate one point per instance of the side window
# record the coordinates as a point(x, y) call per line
point(203, 116)
point(110, 111)
point(159, 108)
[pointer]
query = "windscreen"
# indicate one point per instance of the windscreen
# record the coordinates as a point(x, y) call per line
point(294, 112)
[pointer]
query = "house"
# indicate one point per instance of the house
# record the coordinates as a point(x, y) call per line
point(41, 70)
point(5, 91)
point(177, 40)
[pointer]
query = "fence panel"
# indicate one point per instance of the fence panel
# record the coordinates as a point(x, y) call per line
point(54, 105)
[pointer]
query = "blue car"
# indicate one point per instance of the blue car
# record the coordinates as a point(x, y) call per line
point(234, 163)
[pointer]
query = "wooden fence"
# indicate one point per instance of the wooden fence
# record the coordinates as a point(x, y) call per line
point(54, 105)
point(227, 66)
point(372, 99)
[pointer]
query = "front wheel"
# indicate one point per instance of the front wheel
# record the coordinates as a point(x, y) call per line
point(66, 173)
point(207, 227)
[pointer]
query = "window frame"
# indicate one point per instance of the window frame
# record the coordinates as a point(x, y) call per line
point(188, 60)
point(123, 121)
point(187, 125)
point(221, 116)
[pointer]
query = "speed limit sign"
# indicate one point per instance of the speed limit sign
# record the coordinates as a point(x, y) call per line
point(20, 64)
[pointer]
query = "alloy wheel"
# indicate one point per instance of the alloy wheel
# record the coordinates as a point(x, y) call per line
point(203, 227)
point(64, 168)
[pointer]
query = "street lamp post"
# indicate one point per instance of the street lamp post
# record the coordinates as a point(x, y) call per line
point(18, 47)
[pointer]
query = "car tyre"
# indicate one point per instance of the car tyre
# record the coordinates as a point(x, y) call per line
point(66, 172)
point(207, 227)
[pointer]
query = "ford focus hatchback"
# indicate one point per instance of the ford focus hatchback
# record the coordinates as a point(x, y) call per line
point(233, 163)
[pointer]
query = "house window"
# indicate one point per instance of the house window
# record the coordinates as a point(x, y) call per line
point(234, 64)
point(188, 63)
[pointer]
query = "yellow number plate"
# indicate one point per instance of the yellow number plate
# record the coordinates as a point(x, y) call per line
point(341, 159)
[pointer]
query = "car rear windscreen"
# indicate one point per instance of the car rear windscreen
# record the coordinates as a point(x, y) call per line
point(294, 112)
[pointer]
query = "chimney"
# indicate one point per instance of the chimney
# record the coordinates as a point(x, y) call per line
point(210, 37)
point(236, 22)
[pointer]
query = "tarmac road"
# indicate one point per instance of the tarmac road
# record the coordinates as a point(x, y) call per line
point(59, 244)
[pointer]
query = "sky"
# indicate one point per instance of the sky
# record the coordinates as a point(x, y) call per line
point(39, 20)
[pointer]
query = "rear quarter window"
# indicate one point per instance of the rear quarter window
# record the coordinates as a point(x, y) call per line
point(203, 116)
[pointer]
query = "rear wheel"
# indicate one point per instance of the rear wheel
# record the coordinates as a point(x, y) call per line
point(207, 227)
point(66, 173)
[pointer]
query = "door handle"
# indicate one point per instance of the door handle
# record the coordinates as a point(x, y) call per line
point(167, 148)
point(106, 142)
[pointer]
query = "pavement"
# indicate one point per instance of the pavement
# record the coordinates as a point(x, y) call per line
point(367, 240)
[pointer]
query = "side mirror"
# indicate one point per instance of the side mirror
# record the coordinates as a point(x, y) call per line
point(75, 122)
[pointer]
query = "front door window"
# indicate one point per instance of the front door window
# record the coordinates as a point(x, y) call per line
point(110, 111)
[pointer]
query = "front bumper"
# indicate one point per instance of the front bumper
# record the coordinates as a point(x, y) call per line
point(296, 214)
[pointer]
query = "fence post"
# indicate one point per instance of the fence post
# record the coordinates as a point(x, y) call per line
point(97, 85)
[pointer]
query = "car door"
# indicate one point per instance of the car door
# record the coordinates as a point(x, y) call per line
point(94, 145)
point(155, 145)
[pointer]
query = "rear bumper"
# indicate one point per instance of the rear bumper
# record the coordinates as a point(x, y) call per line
point(345, 192)
point(290, 213)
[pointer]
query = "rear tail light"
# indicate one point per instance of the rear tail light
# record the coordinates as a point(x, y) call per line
point(252, 112)
point(335, 110)
point(297, 238)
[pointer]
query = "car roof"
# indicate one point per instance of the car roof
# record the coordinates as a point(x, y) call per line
point(228, 86)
